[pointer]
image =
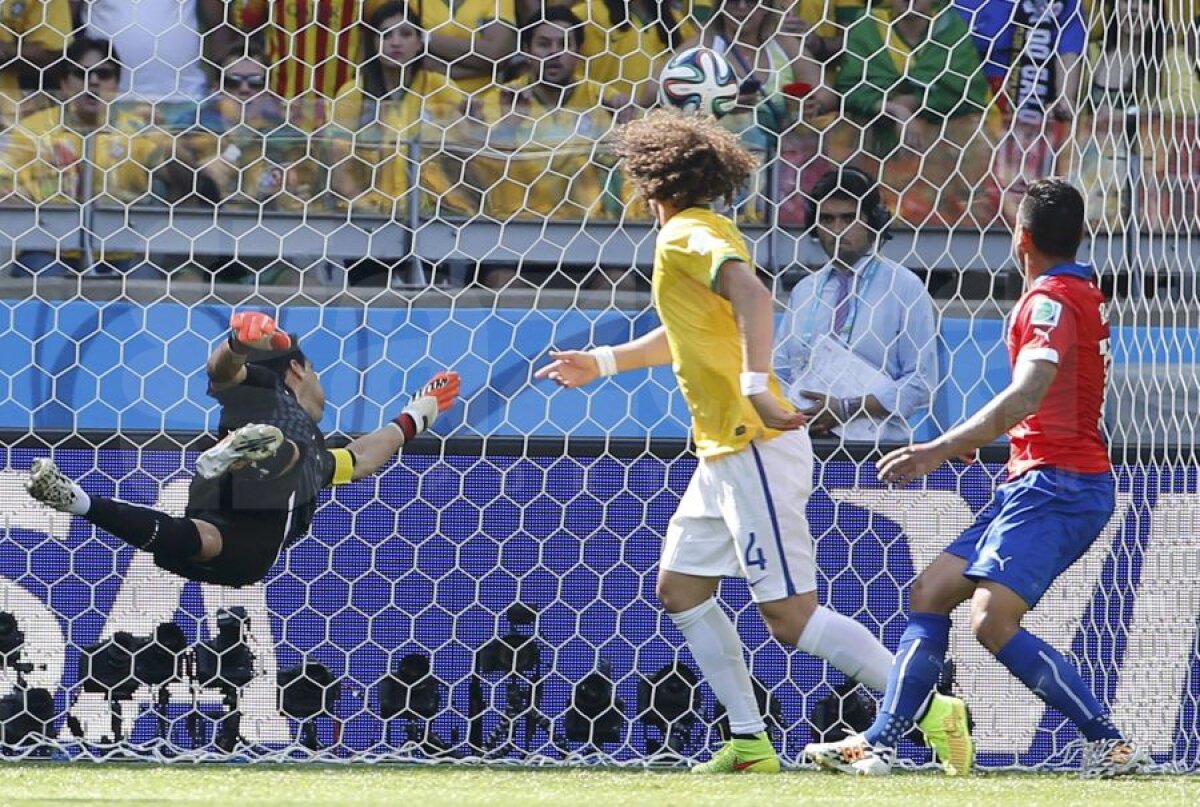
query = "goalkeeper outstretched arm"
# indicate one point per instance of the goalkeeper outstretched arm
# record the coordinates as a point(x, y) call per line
point(578, 368)
point(249, 330)
point(369, 453)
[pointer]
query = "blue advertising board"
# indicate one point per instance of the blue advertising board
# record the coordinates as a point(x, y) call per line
point(116, 366)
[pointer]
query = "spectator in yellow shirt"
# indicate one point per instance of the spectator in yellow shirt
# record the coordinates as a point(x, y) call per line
point(314, 55)
point(398, 103)
point(546, 132)
point(87, 149)
point(474, 38)
point(1129, 70)
point(33, 35)
point(625, 44)
point(1179, 90)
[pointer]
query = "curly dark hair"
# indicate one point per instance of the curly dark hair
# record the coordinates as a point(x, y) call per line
point(683, 159)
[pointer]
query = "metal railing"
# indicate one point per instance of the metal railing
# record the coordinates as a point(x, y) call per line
point(318, 233)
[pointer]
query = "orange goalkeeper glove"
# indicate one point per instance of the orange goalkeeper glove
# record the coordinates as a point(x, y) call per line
point(434, 398)
point(445, 387)
point(254, 330)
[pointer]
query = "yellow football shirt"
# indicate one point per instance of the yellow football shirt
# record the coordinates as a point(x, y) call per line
point(461, 19)
point(123, 155)
point(381, 134)
point(706, 345)
point(46, 23)
point(624, 58)
point(51, 160)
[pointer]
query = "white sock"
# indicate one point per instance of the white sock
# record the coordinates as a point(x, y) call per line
point(82, 503)
point(718, 651)
point(848, 645)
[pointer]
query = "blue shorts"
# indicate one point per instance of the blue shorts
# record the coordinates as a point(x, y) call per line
point(1036, 527)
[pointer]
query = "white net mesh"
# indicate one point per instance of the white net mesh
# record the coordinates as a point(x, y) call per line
point(430, 186)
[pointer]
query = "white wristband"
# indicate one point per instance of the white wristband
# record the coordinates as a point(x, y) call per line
point(606, 360)
point(754, 383)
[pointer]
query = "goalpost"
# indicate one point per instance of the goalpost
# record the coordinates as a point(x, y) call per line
point(491, 596)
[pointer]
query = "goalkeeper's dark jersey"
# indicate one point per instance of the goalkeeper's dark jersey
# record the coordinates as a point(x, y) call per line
point(264, 398)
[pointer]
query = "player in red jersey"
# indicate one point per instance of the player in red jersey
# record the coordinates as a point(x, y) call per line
point(1059, 495)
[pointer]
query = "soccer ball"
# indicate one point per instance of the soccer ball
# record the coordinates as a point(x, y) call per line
point(698, 80)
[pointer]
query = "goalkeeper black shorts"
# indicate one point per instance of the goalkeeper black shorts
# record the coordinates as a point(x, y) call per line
point(251, 541)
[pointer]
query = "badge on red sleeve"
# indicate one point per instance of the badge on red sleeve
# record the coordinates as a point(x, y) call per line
point(1046, 312)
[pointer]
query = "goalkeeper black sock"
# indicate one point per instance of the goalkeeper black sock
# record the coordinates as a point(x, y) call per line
point(146, 529)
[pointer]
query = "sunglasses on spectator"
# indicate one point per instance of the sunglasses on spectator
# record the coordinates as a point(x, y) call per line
point(104, 72)
point(254, 81)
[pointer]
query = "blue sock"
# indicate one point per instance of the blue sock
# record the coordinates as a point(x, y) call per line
point(919, 661)
point(1055, 680)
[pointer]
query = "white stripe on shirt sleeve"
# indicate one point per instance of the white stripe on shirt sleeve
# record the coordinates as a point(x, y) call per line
point(1038, 354)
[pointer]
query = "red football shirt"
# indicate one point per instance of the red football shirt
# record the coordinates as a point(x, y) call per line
point(1061, 319)
point(313, 45)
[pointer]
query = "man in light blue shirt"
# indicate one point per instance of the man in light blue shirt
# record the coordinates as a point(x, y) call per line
point(858, 346)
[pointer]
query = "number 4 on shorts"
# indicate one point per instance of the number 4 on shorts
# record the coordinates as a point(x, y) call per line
point(754, 555)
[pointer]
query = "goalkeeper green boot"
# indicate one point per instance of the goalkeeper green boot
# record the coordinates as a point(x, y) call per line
point(743, 756)
point(947, 731)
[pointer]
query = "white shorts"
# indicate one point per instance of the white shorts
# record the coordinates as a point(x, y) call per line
point(743, 515)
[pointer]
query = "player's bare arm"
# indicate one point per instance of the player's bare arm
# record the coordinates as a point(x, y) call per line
point(226, 368)
point(754, 309)
point(578, 368)
point(493, 42)
point(1032, 379)
point(372, 451)
point(251, 330)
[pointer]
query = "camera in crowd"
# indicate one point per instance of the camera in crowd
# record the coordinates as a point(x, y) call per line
point(226, 661)
point(413, 695)
point(669, 706)
point(597, 716)
point(117, 666)
point(307, 691)
point(26, 714)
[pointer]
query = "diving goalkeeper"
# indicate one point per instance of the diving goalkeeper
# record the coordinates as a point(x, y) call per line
point(255, 491)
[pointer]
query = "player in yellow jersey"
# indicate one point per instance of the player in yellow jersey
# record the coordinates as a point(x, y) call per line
point(743, 514)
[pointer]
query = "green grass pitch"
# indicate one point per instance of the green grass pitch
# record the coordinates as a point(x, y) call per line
point(76, 784)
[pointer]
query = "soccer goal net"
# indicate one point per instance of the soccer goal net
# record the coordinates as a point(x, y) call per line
point(412, 188)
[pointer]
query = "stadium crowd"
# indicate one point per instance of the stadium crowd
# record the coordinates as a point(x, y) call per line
point(504, 108)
